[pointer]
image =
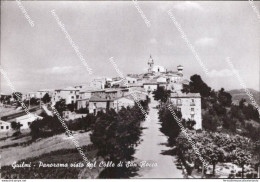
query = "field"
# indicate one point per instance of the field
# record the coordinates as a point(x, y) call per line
point(16, 150)
point(70, 156)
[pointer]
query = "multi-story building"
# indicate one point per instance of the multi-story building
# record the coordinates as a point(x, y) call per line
point(70, 94)
point(101, 104)
point(41, 93)
point(150, 85)
point(84, 96)
point(190, 106)
point(30, 95)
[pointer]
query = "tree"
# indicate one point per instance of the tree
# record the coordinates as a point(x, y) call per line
point(46, 127)
point(213, 154)
point(71, 107)
point(116, 135)
point(17, 96)
point(46, 98)
point(189, 124)
point(224, 98)
point(197, 85)
point(162, 94)
point(16, 126)
point(241, 158)
point(169, 124)
point(209, 122)
point(60, 106)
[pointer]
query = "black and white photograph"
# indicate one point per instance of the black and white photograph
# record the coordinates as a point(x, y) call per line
point(129, 90)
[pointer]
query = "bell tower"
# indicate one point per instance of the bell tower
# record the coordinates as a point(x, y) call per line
point(150, 64)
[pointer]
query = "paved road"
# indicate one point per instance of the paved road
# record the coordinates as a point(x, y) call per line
point(152, 146)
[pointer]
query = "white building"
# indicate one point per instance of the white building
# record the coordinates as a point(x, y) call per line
point(131, 80)
point(27, 120)
point(150, 85)
point(189, 105)
point(68, 115)
point(70, 94)
point(30, 95)
point(123, 102)
point(5, 127)
point(41, 93)
point(158, 69)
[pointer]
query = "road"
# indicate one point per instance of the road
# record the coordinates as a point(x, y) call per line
point(151, 147)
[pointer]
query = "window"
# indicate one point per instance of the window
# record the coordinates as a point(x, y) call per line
point(128, 81)
point(7, 127)
point(192, 116)
point(178, 109)
point(29, 123)
point(192, 100)
point(192, 109)
point(2, 127)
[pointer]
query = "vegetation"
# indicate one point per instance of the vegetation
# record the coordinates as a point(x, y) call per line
point(239, 143)
point(161, 94)
point(115, 135)
point(46, 127)
point(69, 156)
point(214, 147)
point(17, 127)
point(46, 98)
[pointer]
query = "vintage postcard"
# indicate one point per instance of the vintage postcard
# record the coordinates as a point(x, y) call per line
point(129, 90)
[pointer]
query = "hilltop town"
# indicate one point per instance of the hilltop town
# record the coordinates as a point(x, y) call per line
point(141, 119)
point(102, 94)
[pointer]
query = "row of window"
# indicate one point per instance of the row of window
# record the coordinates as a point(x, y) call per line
point(2, 127)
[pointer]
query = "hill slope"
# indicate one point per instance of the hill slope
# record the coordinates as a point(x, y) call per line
point(238, 94)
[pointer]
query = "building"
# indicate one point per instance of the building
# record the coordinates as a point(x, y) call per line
point(27, 120)
point(69, 94)
point(68, 115)
point(98, 83)
point(97, 104)
point(154, 69)
point(190, 106)
point(41, 93)
point(84, 96)
point(122, 102)
point(100, 103)
point(30, 95)
point(131, 80)
point(150, 85)
point(5, 127)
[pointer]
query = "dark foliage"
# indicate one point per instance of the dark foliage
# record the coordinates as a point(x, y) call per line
point(46, 98)
point(161, 94)
point(116, 135)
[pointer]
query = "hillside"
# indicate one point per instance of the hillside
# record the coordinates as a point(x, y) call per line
point(238, 94)
point(42, 146)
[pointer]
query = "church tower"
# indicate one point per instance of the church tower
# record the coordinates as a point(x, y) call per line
point(150, 64)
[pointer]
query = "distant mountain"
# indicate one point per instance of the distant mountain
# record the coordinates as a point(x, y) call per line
point(238, 94)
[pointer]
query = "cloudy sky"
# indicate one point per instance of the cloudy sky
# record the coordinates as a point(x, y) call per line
point(41, 57)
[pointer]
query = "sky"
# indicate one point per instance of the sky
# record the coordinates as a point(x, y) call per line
point(41, 57)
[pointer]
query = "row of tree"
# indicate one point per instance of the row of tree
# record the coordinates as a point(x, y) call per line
point(116, 135)
point(214, 148)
